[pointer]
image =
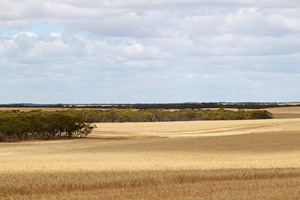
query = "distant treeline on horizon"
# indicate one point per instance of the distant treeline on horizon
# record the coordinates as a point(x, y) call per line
point(240, 105)
point(71, 123)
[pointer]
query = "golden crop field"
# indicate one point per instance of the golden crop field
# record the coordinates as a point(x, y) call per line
point(249, 159)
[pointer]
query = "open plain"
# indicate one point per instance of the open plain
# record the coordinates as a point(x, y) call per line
point(249, 159)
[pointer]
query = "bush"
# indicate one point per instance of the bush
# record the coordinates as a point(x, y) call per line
point(154, 115)
point(41, 125)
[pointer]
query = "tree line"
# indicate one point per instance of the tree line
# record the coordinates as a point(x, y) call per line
point(203, 105)
point(37, 124)
point(155, 115)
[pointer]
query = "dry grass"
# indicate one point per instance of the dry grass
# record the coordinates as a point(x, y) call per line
point(194, 184)
point(25, 109)
point(286, 112)
point(257, 159)
point(280, 112)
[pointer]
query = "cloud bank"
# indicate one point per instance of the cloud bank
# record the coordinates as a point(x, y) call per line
point(130, 51)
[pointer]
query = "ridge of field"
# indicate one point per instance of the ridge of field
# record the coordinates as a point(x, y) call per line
point(278, 112)
point(285, 112)
point(193, 128)
point(247, 159)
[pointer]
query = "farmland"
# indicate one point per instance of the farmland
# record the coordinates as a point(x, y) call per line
point(244, 159)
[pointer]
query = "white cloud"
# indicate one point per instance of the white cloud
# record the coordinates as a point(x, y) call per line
point(150, 51)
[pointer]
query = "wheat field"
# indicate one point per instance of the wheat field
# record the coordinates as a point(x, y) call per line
point(251, 159)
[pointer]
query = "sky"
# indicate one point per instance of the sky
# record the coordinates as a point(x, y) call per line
point(142, 51)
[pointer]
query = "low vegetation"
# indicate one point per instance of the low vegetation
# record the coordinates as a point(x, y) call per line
point(41, 125)
point(195, 105)
point(161, 115)
point(15, 125)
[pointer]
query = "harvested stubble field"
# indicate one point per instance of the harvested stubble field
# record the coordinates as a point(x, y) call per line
point(253, 159)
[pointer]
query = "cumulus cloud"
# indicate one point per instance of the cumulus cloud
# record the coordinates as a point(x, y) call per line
point(151, 19)
point(149, 51)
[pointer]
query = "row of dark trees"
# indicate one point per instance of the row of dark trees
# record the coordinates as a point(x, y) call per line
point(198, 105)
point(37, 125)
point(203, 105)
point(16, 125)
point(155, 115)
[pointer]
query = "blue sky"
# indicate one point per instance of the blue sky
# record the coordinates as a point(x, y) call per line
point(160, 51)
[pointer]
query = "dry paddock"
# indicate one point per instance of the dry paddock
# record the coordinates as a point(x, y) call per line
point(255, 159)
